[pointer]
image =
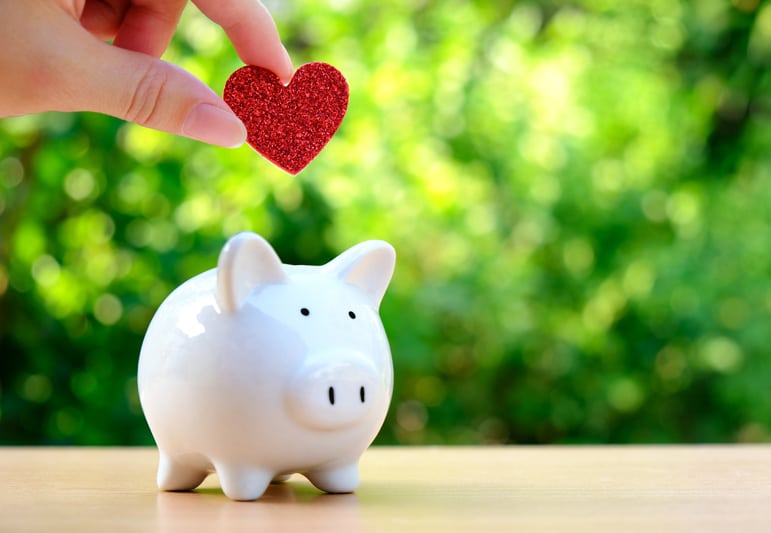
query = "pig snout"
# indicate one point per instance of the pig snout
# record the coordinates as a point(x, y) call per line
point(334, 393)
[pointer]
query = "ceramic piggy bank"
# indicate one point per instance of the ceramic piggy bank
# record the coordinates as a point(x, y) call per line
point(257, 370)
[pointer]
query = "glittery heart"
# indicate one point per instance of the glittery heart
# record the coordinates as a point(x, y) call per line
point(289, 124)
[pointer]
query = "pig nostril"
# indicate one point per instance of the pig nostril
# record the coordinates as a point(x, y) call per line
point(331, 393)
point(361, 394)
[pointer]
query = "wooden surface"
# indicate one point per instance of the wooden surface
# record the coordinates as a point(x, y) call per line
point(652, 489)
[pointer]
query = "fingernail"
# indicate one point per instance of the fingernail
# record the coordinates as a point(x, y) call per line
point(214, 125)
point(287, 59)
point(288, 66)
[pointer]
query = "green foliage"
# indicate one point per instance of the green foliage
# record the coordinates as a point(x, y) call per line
point(578, 193)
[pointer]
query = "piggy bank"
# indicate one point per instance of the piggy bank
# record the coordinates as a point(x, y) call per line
point(256, 370)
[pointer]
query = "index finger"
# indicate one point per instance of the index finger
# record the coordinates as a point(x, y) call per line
point(253, 32)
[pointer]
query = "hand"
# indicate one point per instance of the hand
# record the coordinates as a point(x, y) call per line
point(54, 58)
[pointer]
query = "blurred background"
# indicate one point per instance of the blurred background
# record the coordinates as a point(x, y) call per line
point(578, 193)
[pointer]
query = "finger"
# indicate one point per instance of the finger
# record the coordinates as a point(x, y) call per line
point(103, 18)
point(253, 32)
point(148, 25)
point(145, 90)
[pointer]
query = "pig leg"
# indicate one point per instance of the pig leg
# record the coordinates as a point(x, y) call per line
point(173, 475)
point(336, 480)
point(241, 482)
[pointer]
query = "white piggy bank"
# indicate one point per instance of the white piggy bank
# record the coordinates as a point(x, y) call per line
point(257, 370)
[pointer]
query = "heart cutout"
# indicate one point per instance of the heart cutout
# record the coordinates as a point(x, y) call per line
point(291, 124)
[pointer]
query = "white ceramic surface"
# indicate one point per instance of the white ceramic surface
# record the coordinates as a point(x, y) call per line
point(258, 369)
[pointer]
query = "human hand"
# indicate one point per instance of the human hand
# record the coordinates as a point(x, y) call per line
point(55, 58)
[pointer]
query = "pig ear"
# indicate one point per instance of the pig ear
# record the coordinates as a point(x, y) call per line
point(368, 266)
point(246, 261)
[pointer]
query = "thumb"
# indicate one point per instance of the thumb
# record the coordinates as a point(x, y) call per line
point(142, 89)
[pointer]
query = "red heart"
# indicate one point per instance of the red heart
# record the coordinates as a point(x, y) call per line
point(289, 124)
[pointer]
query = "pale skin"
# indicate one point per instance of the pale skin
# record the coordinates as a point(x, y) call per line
point(56, 56)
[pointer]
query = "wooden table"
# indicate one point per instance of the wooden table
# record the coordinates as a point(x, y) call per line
point(635, 488)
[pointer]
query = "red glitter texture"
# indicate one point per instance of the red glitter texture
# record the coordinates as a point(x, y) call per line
point(289, 125)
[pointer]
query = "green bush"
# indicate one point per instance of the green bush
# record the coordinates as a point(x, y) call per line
point(578, 194)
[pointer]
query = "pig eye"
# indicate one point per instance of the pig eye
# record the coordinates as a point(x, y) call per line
point(351, 314)
point(305, 311)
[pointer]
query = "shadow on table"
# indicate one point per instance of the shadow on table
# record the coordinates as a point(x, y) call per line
point(294, 505)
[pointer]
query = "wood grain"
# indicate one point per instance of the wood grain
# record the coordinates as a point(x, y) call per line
point(635, 488)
